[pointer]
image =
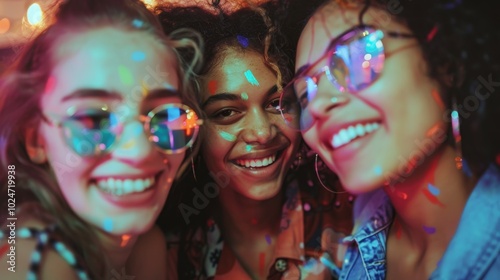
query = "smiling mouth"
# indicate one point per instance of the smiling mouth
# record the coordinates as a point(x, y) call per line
point(256, 163)
point(121, 187)
point(347, 135)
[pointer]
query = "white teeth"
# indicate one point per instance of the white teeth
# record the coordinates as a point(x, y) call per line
point(120, 187)
point(256, 162)
point(346, 135)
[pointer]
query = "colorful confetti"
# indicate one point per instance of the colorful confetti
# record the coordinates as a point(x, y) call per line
point(125, 75)
point(244, 96)
point(50, 85)
point(434, 190)
point(268, 239)
point(212, 87)
point(307, 207)
point(227, 136)
point(108, 224)
point(432, 198)
point(251, 78)
point(125, 239)
point(378, 170)
point(243, 40)
point(138, 56)
point(137, 23)
point(430, 230)
point(248, 148)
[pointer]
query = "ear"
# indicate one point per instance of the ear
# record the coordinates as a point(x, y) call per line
point(35, 146)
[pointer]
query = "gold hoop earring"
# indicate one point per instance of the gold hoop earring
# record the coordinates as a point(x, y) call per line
point(319, 179)
point(192, 165)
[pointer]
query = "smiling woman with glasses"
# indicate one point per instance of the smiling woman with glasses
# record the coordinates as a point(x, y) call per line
point(400, 103)
point(98, 118)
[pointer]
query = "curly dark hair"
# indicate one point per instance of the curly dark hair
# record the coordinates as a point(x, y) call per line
point(459, 40)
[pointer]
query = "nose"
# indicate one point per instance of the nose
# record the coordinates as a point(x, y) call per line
point(259, 127)
point(327, 98)
point(133, 145)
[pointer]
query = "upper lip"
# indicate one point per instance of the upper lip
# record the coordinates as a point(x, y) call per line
point(330, 130)
point(259, 154)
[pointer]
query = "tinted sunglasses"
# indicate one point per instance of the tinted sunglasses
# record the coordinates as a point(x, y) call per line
point(172, 128)
point(353, 61)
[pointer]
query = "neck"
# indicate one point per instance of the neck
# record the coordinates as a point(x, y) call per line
point(429, 204)
point(117, 249)
point(243, 219)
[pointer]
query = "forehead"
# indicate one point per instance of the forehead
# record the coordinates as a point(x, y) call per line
point(330, 21)
point(240, 69)
point(111, 59)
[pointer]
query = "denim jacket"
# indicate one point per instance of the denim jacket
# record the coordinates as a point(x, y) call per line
point(473, 252)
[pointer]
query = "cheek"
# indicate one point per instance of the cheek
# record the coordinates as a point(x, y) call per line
point(311, 138)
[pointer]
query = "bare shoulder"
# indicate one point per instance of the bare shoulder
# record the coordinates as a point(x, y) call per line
point(15, 263)
point(149, 256)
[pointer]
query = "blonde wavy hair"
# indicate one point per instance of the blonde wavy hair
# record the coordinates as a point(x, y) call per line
point(22, 85)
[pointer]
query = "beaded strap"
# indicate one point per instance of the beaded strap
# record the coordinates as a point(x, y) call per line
point(45, 239)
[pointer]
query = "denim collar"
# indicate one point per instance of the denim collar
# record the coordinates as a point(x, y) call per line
point(476, 243)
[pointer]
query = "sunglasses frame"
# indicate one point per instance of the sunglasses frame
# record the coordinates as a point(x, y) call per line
point(146, 123)
point(345, 36)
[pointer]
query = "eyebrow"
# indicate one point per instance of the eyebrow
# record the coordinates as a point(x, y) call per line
point(101, 93)
point(231, 96)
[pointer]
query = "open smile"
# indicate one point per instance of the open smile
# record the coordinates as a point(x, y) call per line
point(346, 135)
point(256, 163)
point(125, 186)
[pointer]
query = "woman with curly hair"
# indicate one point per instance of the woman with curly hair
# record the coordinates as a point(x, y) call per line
point(96, 119)
point(243, 214)
point(400, 101)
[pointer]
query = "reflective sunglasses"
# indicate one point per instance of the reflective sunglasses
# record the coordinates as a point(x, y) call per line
point(172, 128)
point(353, 61)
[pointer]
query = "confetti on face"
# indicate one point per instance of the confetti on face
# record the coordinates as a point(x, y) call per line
point(242, 40)
point(125, 239)
point(227, 136)
point(125, 76)
point(433, 190)
point(248, 148)
point(138, 56)
point(50, 85)
point(251, 78)
point(244, 96)
point(432, 198)
point(268, 239)
point(108, 224)
point(430, 230)
point(137, 23)
point(212, 87)
point(401, 194)
point(378, 170)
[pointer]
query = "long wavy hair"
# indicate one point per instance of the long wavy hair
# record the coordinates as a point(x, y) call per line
point(459, 40)
point(22, 85)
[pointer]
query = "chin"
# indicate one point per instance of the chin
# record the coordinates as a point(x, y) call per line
point(357, 185)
